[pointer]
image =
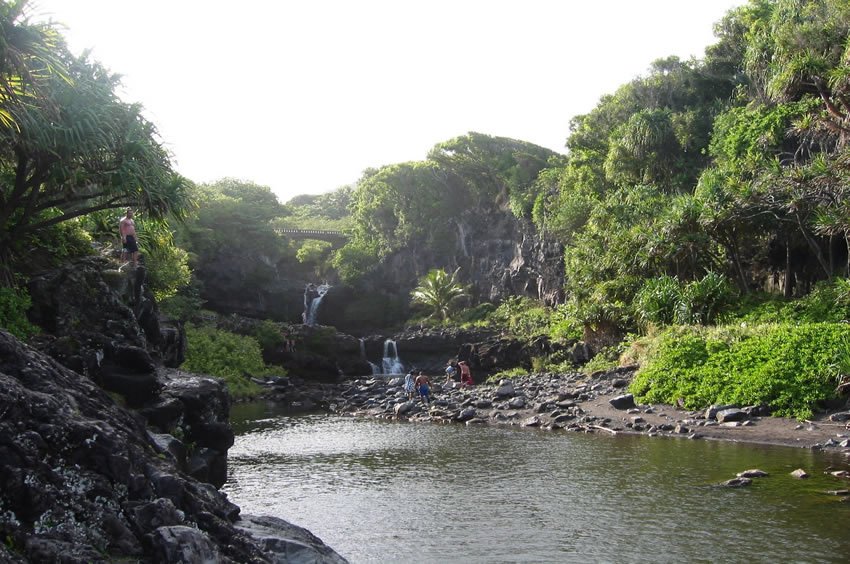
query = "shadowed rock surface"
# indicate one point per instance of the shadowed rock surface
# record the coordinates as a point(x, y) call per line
point(84, 482)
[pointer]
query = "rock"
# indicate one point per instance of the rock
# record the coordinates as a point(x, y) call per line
point(711, 411)
point(466, 414)
point(533, 421)
point(284, 542)
point(517, 403)
point(85, 481)
point(838, 492)
point(840, 474)
point(842, 416)
point(180, 543)
point(681, 429)
point(505, 389)
point(625, 401)
point(753, 473)
point(404, 408)
point(482, 403)
point(731, 414)
point(800, 474)
point(736, 483)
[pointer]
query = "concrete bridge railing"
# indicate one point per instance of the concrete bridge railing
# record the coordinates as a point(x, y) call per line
point(320, 234)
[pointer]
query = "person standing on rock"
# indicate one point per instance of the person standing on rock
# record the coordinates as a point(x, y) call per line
point(451, 372)
point(423, 386)
point(127, 230)
point(409, 385)
point(465, 374)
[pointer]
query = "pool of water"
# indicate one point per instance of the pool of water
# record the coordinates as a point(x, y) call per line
point(380, 491)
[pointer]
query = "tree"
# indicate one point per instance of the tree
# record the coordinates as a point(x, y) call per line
point(76, 148)
point(438, 292)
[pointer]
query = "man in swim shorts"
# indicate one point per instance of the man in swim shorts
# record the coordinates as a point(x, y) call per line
point(127, 229)
point(423, 386)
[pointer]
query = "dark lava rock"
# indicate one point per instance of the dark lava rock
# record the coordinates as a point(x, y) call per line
point(82, 481)
point(625, 401)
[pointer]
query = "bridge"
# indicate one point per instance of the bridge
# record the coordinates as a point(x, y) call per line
point(318, 234)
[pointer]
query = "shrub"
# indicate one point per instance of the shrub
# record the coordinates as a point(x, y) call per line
point(227, 356)
point(14, 304)
point(658, 300)
point(787, 367)
point(268, 335)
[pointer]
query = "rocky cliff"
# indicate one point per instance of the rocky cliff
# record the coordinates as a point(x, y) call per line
point(499, 255)
point(85, 481)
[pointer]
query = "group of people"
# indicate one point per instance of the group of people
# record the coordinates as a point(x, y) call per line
point(417, 383)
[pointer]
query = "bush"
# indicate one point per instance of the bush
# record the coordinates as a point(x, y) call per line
point(269, 335)
point(787, 367)
point(227, 356)
point(665, 301)
point(14, 304)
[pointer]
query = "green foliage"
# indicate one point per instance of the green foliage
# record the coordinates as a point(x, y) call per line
point(658, 301)
point(317, 254)
point(183, 306)
point(14, 304)
point(829, 301)
point(167, 264)
point(787, 367)
point(269, 335)
point(521, 317)
point(227, 356)
point(507, 374)
point(606, 359)
point(438, 292)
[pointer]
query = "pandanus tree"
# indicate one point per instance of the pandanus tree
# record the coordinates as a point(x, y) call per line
point(68, 145)
point(438, 292)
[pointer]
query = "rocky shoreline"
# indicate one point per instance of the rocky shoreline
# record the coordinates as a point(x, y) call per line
point(569, 402)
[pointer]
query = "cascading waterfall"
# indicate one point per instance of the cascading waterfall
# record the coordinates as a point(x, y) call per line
point(312, 300)
point(391, 363)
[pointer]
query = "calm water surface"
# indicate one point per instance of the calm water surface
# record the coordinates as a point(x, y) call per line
point(394, 492)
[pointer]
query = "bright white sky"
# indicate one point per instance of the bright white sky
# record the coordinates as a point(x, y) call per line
point(302, 96)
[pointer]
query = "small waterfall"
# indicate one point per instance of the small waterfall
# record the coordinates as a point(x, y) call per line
point(375, 368)
point(391, 363)
point(312, 300)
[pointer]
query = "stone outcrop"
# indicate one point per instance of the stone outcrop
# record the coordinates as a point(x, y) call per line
point(499, 255)
point(84, 481)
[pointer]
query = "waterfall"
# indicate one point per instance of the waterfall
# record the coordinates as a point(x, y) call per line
point(391, 363)
point(312, 300)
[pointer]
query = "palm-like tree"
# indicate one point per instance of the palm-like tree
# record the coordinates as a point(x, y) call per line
point(438, 291)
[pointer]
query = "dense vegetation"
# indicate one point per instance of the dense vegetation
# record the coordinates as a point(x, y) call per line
point(707, 192)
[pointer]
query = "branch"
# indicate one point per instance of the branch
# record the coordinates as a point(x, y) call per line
point(111, 204)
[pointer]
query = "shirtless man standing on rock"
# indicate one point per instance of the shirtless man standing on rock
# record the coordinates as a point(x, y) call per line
point(423, 386)
point(127, 229)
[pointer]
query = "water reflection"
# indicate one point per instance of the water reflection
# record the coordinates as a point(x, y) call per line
point(394, 492)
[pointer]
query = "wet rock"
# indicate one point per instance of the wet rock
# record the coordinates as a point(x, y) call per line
point(736, 483)
point(800, 474)
point(466, 414)
point(404, 408)
point(752, 473)
point(533, 421)
point(842, 416)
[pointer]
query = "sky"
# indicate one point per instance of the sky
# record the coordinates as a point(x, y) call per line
point(303, 96)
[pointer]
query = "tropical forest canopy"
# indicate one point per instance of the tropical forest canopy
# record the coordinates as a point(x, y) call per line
point(720, 176)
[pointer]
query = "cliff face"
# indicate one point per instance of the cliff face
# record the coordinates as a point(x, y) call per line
point(498, 255)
